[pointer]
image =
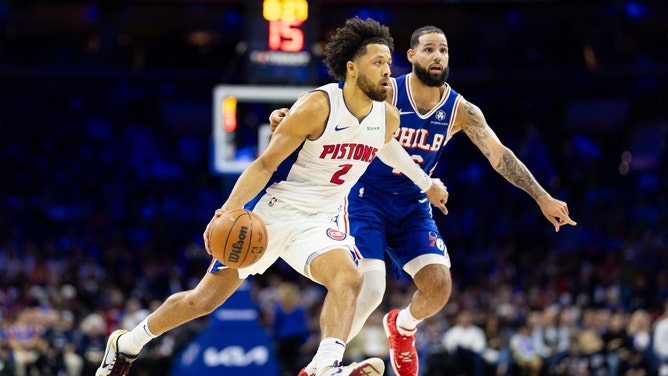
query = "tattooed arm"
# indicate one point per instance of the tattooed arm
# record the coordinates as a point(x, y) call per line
point(471, 120)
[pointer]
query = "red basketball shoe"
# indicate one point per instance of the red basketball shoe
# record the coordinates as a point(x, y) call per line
point(403, 355)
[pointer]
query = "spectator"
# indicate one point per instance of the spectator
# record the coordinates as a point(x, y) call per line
point(615, 341)
point(61, 335)
point(371, 341)
point(49, 361)
point(24, 341)
point(585, 357)
point(639, 359)
point(660, 341)
point(134, 313)
point(91, 341)
point(525, 356)
point(429, 343)
point(552, 336)
point(466, 342)
point(7, 366)
point(289, 328)
point(497, 354)
point(591, 346)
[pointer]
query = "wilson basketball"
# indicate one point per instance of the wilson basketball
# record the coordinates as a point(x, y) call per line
point(238, 238)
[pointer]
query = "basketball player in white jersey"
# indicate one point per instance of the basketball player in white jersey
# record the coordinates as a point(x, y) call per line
point(297, 186)
point(392, 217)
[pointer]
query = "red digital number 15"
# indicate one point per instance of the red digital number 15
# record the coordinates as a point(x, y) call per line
point(286, 36)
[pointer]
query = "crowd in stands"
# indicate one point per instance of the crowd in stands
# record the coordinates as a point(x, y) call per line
point(104, 198)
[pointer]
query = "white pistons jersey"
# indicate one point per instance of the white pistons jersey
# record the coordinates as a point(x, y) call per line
point(320, 173)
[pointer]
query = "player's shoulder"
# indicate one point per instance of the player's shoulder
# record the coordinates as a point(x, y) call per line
point(452, 92)
point(316, 100)
point(391, 110)
point(392, 117)
point(463, 103)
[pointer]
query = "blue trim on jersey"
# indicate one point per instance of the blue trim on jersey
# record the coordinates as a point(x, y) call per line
point(278, 176)
point(284, 168)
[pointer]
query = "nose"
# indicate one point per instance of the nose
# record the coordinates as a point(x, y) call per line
point(387, 71)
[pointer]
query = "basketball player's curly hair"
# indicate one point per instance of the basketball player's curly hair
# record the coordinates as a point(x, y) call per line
point(350, 41)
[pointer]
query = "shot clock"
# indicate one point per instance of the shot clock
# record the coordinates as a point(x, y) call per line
point(280, 41)
point(285, 18)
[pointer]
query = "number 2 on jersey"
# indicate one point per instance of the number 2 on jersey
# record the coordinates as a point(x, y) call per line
point(336, 178)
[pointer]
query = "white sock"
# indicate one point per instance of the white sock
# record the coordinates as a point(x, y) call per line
point(406, 323)
point(329, 352)
point(132, 342)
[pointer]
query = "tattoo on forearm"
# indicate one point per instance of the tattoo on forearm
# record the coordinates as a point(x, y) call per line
point(476, 128)
point(508, 166)
point(517, 173)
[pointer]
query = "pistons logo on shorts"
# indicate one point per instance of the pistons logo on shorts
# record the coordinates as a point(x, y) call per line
point(336, 234)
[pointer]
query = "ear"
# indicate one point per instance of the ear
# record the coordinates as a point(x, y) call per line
point(410, 55)
point(351, 66)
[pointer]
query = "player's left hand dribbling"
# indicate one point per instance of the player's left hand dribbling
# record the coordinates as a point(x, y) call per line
point(216, 214)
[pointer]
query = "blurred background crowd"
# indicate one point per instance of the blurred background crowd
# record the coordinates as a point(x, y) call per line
point(106, 186)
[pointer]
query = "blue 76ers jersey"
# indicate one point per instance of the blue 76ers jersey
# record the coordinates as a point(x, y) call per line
point(423, 137)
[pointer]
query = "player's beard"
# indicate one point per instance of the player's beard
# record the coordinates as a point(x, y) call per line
point(429, 79)
point(371, 89)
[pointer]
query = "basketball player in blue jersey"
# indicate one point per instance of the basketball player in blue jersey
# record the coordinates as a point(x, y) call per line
point(297, 187)
point(387, 213)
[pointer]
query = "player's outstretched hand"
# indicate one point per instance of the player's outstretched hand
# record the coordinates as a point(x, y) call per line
point(216, 214)
point(276, 117)
point(438, 195)
point(556, 211)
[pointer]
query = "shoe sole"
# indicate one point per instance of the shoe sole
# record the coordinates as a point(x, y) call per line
point(369, 367)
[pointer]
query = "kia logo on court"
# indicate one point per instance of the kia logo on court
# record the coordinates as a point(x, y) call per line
point(236, 356)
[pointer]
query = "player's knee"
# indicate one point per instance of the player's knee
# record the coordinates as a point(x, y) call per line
point(349, 279)
point(373, 290)
point(442, 283)
point(435, 282)
point(372, 294)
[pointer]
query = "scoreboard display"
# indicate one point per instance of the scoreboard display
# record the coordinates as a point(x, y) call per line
point(285, 18)
point(280, 41)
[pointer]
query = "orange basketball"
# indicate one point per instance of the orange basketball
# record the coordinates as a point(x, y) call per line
point(238, 238)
